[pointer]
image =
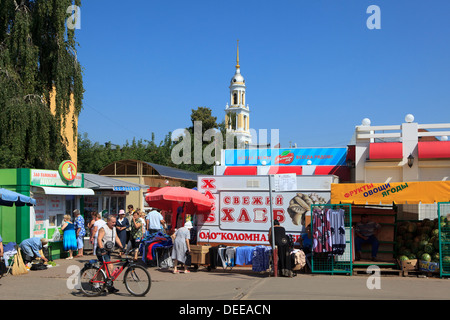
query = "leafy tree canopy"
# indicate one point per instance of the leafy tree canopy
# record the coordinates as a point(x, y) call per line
point(37, 59)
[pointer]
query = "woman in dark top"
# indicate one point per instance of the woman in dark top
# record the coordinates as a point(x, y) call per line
point(121, 226)
point(282, 243)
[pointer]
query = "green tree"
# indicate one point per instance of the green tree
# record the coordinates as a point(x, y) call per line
point(92, 157)
point(200, 117)
point(37, 59)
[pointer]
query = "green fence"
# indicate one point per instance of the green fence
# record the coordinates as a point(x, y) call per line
point(339, 259)
point(444, 238)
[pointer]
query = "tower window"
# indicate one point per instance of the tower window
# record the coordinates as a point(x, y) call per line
point(235, 98)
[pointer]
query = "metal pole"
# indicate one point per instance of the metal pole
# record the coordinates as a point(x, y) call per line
point(274, 252)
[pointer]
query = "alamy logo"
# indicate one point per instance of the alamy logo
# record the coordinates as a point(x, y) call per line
point(189, 148)
point(73, 280)
point(374, 21)
point(74, 21)
point(374, 281)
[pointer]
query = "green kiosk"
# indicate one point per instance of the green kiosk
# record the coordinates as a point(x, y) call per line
point(56, 193)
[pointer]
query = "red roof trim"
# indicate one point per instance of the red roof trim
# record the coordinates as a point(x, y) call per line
point(286, 169)
point(241, 171)
point(386, 150)
point(343, 172)
point(434, 149)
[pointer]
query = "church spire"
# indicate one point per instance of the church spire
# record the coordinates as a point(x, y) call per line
point(237, 114)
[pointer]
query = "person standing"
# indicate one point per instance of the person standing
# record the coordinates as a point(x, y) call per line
point(80, 231)
point(99, 222)
point(142, 219)
point(181, 246)
point(129, 217)
point(366, 231)
point(282, 243)
point(93, 218)
point(69, 236)
point(122, 225)
point(155, 221)
point(1, 247)
point(136, 233)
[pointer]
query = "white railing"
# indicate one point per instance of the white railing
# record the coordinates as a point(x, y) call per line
point(371, 132)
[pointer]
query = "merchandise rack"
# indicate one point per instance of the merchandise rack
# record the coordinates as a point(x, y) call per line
point(329, 263)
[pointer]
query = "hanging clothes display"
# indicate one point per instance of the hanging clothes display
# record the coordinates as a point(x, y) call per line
point(230, 256)
point(216, 259)
point(151, 243)
point(244, 255)
point(328, 231)
point(261, 258)
point(337, 230)
point(222, 260)
point(321, 231)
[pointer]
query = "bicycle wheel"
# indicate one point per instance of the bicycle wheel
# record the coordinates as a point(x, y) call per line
point(92, 281)
point(137, 280)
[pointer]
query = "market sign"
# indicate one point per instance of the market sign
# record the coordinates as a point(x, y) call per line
point(393, 192)
point(126, 188)
point(68, 170)
point(52, 178)
point(286, 157)
point(239, 210)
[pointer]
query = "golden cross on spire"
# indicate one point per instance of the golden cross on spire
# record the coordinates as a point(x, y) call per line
point(237, 56)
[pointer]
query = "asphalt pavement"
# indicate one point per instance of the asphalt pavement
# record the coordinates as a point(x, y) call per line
point(237, 284)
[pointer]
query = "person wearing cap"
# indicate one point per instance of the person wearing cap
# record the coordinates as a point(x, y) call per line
point(181, 246)
point(30, 249)
point(122, 224)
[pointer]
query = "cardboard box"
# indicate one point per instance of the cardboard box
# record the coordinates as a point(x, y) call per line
point(408, 265)
point(426, 266)
point(200, 254)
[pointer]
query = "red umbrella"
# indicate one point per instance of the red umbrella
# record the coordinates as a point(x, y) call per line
point(172, 198)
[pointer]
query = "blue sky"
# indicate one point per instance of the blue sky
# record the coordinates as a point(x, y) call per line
point(313, 69)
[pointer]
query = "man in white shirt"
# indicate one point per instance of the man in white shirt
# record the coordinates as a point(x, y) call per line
point(155, 221)
point(98, 224)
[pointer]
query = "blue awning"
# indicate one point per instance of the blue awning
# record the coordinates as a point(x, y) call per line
point(9, 198)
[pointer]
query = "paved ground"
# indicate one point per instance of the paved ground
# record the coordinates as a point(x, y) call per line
point(236, 284)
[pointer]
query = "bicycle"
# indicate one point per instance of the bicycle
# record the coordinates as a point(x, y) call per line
point(94, 279)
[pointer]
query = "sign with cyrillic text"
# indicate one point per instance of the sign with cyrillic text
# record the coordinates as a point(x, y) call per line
point(393, 192)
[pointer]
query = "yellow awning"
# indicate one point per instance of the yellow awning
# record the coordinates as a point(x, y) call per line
point(393, 192)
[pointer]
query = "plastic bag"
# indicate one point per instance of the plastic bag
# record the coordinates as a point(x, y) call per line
point(56, 235)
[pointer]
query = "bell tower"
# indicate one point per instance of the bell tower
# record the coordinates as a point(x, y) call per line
point(237, 114)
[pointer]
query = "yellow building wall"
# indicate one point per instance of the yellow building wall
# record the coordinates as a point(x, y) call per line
point(240, 121)
point(68, 132)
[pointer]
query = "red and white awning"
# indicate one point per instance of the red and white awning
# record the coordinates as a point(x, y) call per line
point(343, 172)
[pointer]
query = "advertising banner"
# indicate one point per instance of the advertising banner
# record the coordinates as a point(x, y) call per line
point(393, 192)
point(286, 157)
point(241, 212)
point(251, 210)
point(244, 217)
point(51, 178)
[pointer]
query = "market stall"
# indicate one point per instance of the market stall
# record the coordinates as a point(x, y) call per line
point(55, 192)
point(418, 232)
point(183, 203)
